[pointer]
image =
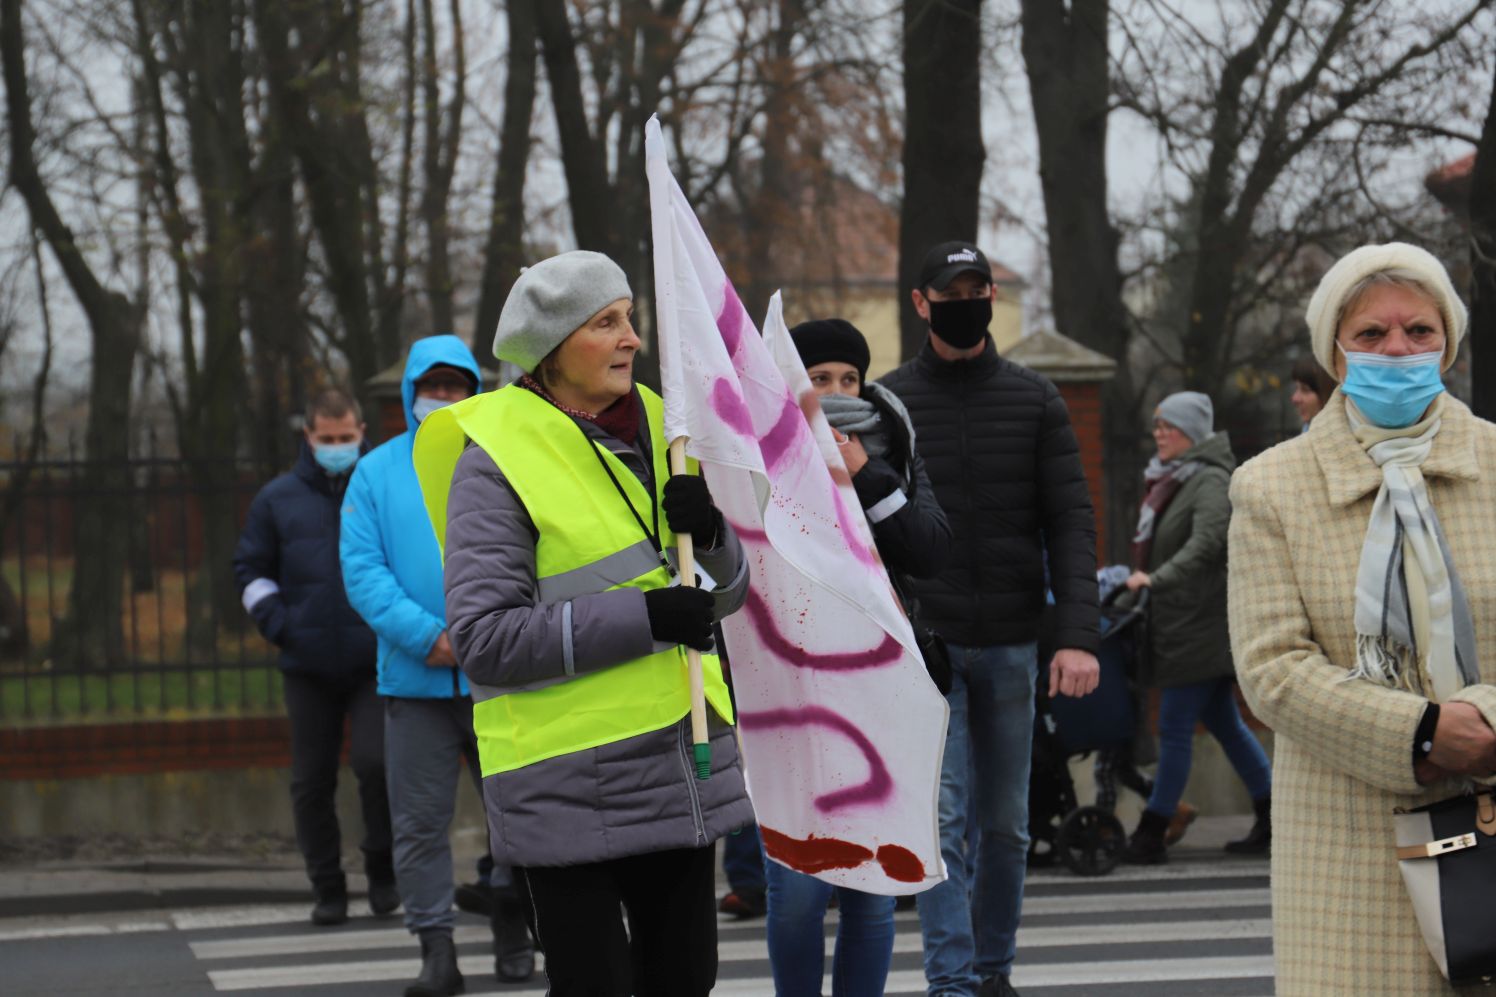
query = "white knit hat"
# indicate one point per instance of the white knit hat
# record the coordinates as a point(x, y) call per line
point(1350, 269)
point(552, 300)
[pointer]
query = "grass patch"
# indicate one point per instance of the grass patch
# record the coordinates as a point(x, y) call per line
point(163, 694)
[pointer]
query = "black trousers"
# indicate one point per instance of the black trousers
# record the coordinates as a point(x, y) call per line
point(318, 707)
point(670, 947)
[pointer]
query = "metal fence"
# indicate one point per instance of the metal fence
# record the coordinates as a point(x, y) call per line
point(116, 592)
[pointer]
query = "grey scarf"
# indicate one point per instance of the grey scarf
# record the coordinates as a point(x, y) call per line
point(859, 417)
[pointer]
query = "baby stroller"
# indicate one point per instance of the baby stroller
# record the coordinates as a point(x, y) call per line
point(1089, 840)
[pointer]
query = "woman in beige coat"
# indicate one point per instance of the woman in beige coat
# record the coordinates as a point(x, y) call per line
point(1376, 702)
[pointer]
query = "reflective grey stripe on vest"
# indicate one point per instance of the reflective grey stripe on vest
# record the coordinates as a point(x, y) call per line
point(589, 579)
point(599, 576)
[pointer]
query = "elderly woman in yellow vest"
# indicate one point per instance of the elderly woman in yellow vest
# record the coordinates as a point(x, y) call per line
point(559, 530)
point(1362, 593)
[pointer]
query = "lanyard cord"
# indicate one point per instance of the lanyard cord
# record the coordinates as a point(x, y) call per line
point(653, 535)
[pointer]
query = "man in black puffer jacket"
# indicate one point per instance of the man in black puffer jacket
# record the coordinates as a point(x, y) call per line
point(998, 446)
point(286, 566)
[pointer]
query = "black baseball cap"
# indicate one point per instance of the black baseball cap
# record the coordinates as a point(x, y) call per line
point(943, 263)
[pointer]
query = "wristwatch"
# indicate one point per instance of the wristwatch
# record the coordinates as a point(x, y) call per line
point(1423, 737)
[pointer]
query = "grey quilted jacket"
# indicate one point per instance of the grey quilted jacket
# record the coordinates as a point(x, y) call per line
point(626, 798)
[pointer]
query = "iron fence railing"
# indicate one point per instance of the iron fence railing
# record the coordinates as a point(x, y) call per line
point(116, 591)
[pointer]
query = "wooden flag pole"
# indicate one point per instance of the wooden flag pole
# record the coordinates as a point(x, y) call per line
point(701, 749)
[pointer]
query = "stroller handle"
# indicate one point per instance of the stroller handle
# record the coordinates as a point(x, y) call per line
point(1138, 611)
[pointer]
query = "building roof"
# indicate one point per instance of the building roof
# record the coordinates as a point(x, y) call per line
point(1060, 358)
point(840, 235)
point(1450, 183)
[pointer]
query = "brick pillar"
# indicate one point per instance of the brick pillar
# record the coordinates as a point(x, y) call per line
point(1083, 398)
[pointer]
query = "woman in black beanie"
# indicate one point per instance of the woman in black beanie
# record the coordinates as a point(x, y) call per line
point(877, 445)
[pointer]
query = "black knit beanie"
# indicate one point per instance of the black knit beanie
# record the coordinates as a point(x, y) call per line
point(831, 340)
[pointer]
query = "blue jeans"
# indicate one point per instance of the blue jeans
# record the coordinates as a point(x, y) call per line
point(970, 921)
point(797, 939)
point(743, 860)
point(1211, 703)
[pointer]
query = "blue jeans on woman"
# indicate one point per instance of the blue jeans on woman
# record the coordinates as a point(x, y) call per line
point(1211, 703)
point(797, 937)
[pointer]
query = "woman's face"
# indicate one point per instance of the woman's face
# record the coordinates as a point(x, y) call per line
point(1170, 441)
point(1393, 321)
point(834, 378)
point(595, 365)
point(1305, 401)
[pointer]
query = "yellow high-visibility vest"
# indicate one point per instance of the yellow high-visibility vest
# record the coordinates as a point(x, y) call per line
point(589, 541)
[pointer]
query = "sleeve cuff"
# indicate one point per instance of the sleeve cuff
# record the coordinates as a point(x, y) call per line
point(257, 591)
point(885, 507)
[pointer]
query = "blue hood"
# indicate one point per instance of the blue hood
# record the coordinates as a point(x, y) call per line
point(427, 353)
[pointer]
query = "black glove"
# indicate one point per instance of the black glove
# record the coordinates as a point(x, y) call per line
point(680, 615)
point(689, 509)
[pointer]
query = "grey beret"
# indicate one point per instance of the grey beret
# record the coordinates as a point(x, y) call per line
point(553, 299)
point(1190, 412)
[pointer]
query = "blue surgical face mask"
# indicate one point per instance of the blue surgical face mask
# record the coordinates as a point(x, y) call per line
point(422, 407)
point(1392, 392)
point(336, 458)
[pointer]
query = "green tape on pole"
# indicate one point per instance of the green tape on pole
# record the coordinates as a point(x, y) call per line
point(703, 761)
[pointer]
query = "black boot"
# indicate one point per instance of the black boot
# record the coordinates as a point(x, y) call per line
point(330, 903)
point(439, 974)
point(1259, 840)
point(513, 952)
point(1146, 846)
point(384, 896)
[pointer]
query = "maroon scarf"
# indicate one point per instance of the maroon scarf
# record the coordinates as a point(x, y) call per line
point(621, 419)
point(1163, 481)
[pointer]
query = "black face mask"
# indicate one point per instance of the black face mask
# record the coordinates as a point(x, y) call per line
point(962, 324)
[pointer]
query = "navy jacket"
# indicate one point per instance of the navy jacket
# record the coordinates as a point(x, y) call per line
point(286, 567)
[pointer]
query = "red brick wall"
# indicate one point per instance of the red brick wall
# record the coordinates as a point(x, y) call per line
point(71, 752)
point(1084, 401)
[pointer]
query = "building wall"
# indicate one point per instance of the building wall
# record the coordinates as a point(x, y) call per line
point(1083, 398)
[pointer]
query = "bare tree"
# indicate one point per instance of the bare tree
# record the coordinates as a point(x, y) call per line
point(503, 249)
point(90, 635)
point(1483, 266)
point(442, 142)
point(943, 150)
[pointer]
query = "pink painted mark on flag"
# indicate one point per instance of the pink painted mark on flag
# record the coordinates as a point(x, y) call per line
point(731, 408)
point(878, 786)
point(889, 652)
point(731, 319)
point(788, 430)
point(860, 550)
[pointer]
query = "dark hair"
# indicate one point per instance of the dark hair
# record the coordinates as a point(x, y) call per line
point(1307, 371)
point(332, 403)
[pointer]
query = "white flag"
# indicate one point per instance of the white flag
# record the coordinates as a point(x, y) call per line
point(842, 729)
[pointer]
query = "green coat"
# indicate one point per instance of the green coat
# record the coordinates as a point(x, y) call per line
point(1188, 638)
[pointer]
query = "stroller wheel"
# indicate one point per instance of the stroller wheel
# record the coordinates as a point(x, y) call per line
point(1090, 841)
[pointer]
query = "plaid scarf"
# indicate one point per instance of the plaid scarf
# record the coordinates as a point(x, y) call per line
point(1413, 626)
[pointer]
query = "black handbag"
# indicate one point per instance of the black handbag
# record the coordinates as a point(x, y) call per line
point(1447, 854)
point(931, 645)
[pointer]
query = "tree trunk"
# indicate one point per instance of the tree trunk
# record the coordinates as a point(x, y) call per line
point(589, 194)
point(943, 151)
point(504, 249)
point(92, 634)
point(440, 161)
point(1483, 267)
point(1066, 59)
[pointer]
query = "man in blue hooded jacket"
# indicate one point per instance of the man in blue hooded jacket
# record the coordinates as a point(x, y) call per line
point(392, 570)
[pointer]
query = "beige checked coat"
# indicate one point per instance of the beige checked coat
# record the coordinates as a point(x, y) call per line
point(1342, 923)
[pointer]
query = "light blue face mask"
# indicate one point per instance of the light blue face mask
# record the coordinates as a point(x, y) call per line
point(1392, 392)
point(422, 407)
point(336, 458)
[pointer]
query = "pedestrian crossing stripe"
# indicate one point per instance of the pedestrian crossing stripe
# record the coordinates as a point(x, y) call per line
point(1201, 925)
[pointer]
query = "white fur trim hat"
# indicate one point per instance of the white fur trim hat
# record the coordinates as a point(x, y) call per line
point(553, 299)
point(1350, 269)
